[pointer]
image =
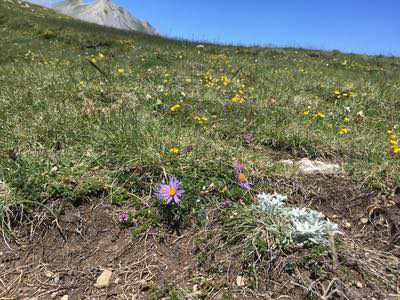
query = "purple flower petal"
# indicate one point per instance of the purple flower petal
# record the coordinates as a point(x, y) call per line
point(171, 192)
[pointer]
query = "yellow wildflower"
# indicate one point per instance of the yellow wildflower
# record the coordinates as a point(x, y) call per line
point(238, 98)
point(120, 72)
point(225, 80)
point(175, 107)
point(174, 150)
point(344, 131)
point(200, 120)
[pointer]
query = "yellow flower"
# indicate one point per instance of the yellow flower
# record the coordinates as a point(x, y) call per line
point(93, 60)
point(200, 120)
point(238, 98)
point(120, 72)
point(337, 93)
point(344, 131)
point(306, 113)
point(175, 107)
point(390, 132)
point(242, 177)
point(174, 150)
point(320, 115)
point(346, 120)
point(225, 80)
point(101, 55)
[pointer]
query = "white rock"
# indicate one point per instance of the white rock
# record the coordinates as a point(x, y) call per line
point(104, 279)
point(240, 281)
point(65, 297)
point(307, 166)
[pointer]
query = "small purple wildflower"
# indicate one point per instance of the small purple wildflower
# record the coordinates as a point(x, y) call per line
point(242, 179)
point(227, 203)
point(123, 217)
point(238, 166)
point(171, 192)
point(248, 138)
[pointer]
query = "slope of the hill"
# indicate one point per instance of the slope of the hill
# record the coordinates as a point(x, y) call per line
point(94, 119)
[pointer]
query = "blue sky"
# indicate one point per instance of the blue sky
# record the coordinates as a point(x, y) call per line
point(360, 26)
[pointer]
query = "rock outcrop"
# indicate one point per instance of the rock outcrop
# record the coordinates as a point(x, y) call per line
point(103, 12)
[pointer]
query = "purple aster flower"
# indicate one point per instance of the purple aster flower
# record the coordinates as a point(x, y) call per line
point(243, 181)
point(123, 217)
point(248, 138)
point(171, 192)
point(238, 167)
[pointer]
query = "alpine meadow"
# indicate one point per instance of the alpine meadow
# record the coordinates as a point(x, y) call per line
point(134, 166)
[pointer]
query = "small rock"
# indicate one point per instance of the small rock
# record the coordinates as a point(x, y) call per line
point(240, 281)
point(104, 279)
point(347, 225)
point(49, 274)
point(307, 166)
point(200, 46)
point(359, 285)
point(364, 220)
point(65, 297)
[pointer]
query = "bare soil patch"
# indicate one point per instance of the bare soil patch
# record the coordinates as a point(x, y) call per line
point(49, 259)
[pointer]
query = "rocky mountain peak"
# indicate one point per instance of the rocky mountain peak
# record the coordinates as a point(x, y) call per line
point(103, 12)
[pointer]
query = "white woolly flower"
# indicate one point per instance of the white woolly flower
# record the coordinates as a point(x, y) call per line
point(305, 224)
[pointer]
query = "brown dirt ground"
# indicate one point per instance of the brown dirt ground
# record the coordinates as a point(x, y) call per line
point(51, 259)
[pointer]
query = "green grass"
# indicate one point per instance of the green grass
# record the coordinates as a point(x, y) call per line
point(69, 131)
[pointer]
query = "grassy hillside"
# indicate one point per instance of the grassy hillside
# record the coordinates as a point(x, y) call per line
point(89, 113)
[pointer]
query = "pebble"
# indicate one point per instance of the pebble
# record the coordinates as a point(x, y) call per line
point(359, 285)
point(104, 279)
point(240, 281)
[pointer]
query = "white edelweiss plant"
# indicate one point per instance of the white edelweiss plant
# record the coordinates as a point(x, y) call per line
point(305, 224)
